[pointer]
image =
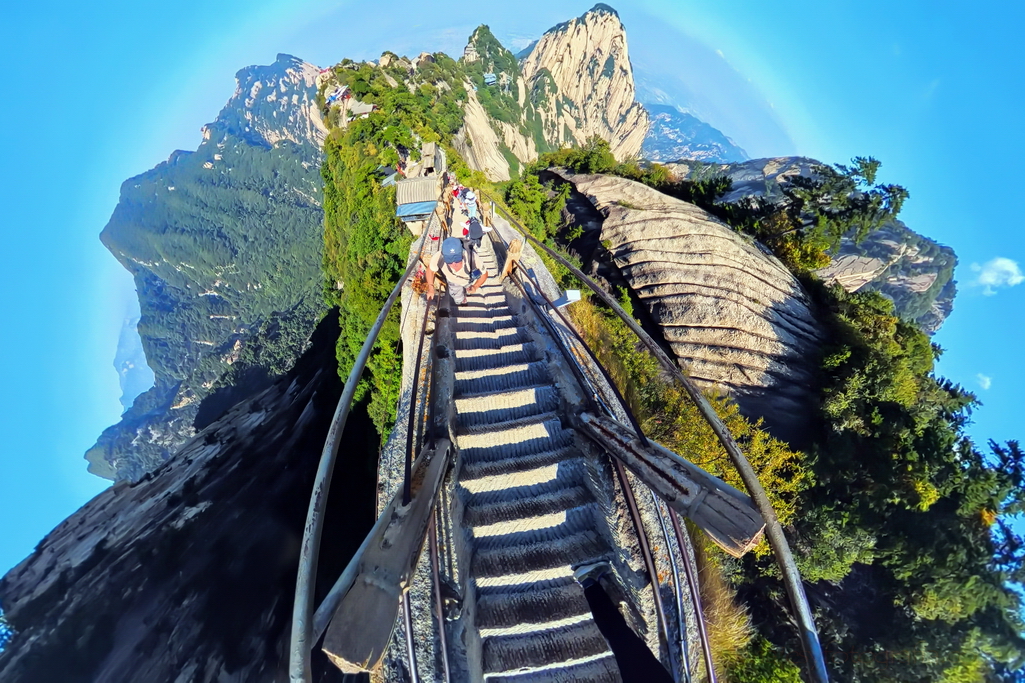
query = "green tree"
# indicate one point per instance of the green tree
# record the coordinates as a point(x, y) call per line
point(840, 200)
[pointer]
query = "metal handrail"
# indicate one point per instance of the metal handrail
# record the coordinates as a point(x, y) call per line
point(624, 482)
point(691, 580)
point(774, 530)
point(302, 609)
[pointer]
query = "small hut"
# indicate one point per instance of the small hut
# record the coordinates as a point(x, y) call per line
point(416, 198)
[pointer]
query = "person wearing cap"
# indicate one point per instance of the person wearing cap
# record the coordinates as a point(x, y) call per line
point(451, 260)
point(471, 204)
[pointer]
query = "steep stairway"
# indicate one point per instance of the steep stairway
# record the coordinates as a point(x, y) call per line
point(529, 517)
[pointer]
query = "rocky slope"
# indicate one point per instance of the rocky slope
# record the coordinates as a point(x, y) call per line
point(189, 574)
point(910, 269)
point(222, 242)
point(677, 135)
point(734, 316)
point(576, 81)
point(580, 78)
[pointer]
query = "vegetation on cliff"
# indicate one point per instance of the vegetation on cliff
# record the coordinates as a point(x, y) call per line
point(221, 243)
point(900, 523)
point(365, 245)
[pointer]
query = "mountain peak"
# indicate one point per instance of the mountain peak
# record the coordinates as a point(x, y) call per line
point(585, 62)
point(600, 8)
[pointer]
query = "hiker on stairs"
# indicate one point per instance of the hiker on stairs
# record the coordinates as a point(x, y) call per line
point(452, 262)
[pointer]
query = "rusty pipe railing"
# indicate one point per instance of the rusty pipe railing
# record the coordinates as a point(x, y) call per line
point(773, 529)
point(302, 609)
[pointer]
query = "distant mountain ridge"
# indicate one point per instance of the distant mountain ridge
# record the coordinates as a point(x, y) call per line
point(676, 135)
point(221, 242)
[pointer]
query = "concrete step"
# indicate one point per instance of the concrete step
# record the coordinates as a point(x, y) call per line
point(518, 376)
point(594, 669)
point(487, 409)
point(529, 440)
point(541, 648)
point(559, 495)
point(569, 544)
point(483, 359)
point(529, 604)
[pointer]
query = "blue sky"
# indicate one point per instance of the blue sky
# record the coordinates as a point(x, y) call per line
point(98, 93)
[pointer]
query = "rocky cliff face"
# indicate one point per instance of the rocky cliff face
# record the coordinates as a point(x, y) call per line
point(913, 271)
point(734, 315)
point(675, 135)
point(573, 83)
point(189, 574)
point(222, 242)
point(579, 77)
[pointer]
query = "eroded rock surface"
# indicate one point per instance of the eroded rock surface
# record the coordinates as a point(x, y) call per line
point(189, 575)
point(580, 78)
point(733, 314)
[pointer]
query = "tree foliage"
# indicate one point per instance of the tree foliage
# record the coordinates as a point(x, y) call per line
point(365, 245)
point(6, 632)
point(898, 518)
point(840, 200)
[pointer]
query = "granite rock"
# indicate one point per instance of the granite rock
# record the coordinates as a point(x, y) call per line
point(735, 317)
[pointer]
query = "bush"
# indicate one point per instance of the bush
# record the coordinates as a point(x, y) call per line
point(762, 662)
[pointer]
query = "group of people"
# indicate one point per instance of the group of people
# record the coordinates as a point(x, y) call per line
point(455, 260)
point(466, 198)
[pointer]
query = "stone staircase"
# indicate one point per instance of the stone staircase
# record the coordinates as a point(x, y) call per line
point(529, 516)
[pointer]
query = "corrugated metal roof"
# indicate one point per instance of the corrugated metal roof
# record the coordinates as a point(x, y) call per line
point(410, 190)
point(415, 211)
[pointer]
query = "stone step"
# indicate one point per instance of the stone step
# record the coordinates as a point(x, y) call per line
point(566, 492)
point(481, 469)
point(529, 440)
point(569, 544)
point(487, 409)
point(491, 340)
point(471, 312)
point(539, 648)
point(594, 669)
point(483, 359)
point(529, 604)
point(490, 324)
point(518, 376)
point(497, 430)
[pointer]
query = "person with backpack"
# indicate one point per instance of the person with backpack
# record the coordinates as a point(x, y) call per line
point(453, 263)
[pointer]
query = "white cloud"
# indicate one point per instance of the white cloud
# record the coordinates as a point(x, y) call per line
point(1000, 272)
point(984, 381)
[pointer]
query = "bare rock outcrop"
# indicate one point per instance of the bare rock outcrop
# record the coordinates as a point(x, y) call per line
point(576, 82)
point(580, 79)
point(915, 272)
point(189, 574)
point(275, 103)
point(735, 317)
point(477, 142)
